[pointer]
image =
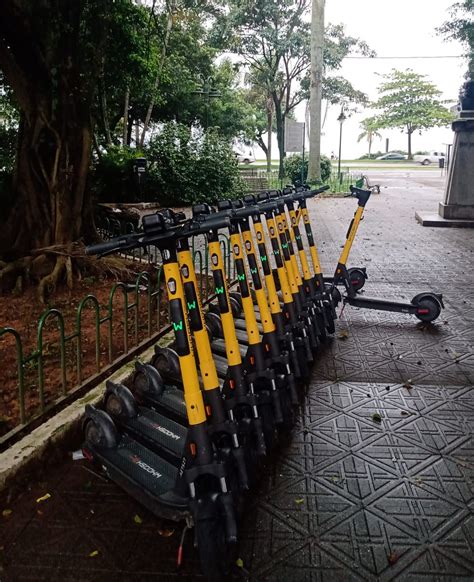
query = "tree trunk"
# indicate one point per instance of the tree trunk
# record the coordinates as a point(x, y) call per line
point(125, 117)
point(370, 145)
point(49, 181)
point(317, 48)
point(269, 135)
point(410, 155)
point(164, 49)
point(280, 130)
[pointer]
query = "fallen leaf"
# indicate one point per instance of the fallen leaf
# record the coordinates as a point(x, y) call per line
point(343, 335)
point(166, 533)
point(239, 562)
point(408, 385)
point(393, 558)
point(299, 501)
point(7, 512)
point(137, 519)
point(94, 554)
point(376, 417)
point(44, 498)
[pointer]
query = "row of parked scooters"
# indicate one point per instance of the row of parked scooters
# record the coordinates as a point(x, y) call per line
point(188, 436)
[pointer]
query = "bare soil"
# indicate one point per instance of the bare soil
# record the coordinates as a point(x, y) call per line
point(22, 312)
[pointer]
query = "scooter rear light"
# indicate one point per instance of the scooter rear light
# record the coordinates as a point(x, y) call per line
point(87, 454)
point(423, 311)
point(231, 384)
point(192, 448)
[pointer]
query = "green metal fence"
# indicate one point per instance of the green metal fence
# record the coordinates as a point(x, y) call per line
point(65, 360)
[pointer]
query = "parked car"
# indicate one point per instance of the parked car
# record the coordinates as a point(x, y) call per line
point(243, 158)
point(430, 158)
point(392, 156)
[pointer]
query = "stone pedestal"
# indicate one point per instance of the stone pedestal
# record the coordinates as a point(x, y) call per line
point(458, 202)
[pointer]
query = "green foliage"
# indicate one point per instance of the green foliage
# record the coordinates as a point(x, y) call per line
point(184, 166)
point(294, 165)
point(112, 178)
point(191, 166)
point(408, 101)
point(461, 28)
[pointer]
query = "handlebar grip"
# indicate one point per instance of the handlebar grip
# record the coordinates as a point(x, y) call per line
point(108, 246)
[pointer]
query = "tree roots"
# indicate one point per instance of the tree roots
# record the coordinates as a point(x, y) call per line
point(52, 266)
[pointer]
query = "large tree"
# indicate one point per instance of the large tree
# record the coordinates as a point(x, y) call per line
point(273, 39)
point(461, 28)
point(408, 101)
point(49, 57)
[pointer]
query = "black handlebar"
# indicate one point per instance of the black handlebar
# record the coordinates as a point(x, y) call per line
point(361, 195)
point(113, 245)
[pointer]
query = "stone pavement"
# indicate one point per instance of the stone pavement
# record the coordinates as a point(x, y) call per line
point(352, 496)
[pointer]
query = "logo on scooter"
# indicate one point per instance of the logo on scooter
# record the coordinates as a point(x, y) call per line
point(185, 271)
point(259, 236)
point(165, 431)
point(153, 472)
point(280, 227)
point(236, 250)
point(272, 230)
point(215, 259)
point(248, 245)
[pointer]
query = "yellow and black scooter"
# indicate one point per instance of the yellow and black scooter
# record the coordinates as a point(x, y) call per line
point(358, 275)
point(425, 306)
point(264, 354)
point(262, 337)
point(196, 490)
point(313, 283)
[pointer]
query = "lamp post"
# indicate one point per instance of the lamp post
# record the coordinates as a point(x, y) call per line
point(208, 92)
point(342, 117)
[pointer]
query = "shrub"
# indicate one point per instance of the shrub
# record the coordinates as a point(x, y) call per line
point(112, 178)
point(190, 167)
point(183, 167)
point(294, 164)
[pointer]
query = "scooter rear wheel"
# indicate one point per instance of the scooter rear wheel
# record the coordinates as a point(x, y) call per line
point(357, 277)
point(100, 433)
point(428, 309)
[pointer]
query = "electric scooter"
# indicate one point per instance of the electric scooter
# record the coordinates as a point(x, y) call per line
point(197, 489)
point(281, 347)
point(425, 306)
point(358, 275)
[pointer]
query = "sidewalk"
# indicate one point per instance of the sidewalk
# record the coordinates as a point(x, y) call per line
point(350, 498)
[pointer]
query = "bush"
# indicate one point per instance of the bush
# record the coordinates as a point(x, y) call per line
point(183, 168)
point(112, 178)
point(293, 166)
point(189, 167)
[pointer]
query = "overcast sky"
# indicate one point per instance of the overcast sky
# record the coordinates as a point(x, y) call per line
point(401, 28)
point(393, 28)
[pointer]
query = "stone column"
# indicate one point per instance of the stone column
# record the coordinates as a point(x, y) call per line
point(459, 198)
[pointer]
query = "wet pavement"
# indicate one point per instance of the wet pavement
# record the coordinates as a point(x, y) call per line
point(377, 479)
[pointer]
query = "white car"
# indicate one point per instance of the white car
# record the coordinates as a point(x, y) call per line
point(242, 158)
point(427, 159)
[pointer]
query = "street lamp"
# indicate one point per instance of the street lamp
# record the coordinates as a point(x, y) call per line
point(208, 92)
point(342, 117)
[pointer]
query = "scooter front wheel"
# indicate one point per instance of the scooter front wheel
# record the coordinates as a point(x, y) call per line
point(215, 553)
point(428, 309)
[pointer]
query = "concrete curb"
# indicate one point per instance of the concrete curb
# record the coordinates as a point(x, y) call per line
point(61, 433)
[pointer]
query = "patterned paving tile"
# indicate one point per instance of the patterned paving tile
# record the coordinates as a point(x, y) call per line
point(350, 496)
